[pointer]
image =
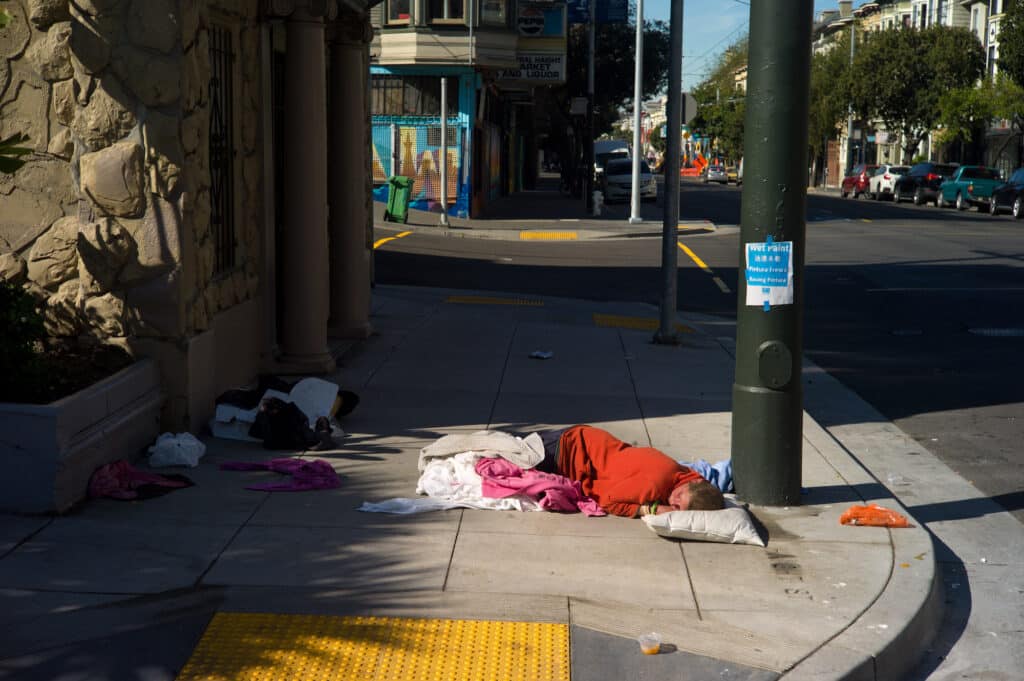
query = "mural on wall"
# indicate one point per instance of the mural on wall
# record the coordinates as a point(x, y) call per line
point(419, 158)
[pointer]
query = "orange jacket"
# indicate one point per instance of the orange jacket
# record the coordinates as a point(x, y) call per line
point(619, 476)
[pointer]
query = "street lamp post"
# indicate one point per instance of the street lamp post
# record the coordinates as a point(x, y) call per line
point(767, 396)
point(638, 77)
point(670, 222)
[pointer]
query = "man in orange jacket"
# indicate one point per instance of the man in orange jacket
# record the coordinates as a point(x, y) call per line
point(623, 479)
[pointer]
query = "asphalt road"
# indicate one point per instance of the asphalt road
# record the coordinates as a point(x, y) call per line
point(918, 310)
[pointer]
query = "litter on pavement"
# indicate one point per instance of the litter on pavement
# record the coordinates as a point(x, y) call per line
point(874, 516)
point(120, 480)
point(253, 415)
point(305, 475)
point(176, 449)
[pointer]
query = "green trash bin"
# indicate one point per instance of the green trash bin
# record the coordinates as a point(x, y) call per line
point(399, 194)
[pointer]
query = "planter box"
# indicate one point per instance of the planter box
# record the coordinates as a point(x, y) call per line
point(49, 451)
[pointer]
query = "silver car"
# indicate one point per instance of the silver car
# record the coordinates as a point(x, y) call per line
point(618, 181)
point(716, 173)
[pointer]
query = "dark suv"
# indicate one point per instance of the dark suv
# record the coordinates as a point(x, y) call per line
point(1009, 195)
point(921, 184)
point(857, 181)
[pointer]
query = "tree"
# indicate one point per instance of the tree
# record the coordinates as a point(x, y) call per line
point(721, 107)
point(1011, 40)
point(963, 112)
point(829, 93)
point(899, 76)
point(656, 140)
point(614, 66)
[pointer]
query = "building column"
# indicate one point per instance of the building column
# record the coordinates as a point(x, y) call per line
point(349, 255)
point(305, 271)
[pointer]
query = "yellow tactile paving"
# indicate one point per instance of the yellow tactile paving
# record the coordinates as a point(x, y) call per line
point(639, 323)
point(535, 235)
point(261, 647)
point(489, 300)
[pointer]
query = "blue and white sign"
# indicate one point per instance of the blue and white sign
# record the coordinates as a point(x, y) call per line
point(769, 273)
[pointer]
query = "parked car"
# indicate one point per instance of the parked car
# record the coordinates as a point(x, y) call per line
point(1009, 195)
point(856, 182)
point(921, 184)
point(716, 173)
point(617, 183)
point(969, 186)
point(732, 174)
point(881, 183)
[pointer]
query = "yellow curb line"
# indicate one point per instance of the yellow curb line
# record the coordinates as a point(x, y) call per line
point(488, 300)
point(638, 323)
point(547, 236)
point(380, 242)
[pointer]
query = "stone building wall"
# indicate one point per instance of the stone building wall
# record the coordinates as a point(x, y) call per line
point(109, 221)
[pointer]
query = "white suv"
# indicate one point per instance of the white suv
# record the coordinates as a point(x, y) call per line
point(882, 182)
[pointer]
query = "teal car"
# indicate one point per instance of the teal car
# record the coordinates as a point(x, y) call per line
point(968, 186)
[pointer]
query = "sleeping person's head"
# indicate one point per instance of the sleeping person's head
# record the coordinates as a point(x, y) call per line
point(696, 495)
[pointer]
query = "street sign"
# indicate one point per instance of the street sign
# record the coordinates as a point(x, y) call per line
point(689, 108)
point(611, 11)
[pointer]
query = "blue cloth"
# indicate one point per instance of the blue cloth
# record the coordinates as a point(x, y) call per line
point(718, 474)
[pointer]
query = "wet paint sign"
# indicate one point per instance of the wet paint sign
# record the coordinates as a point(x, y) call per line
point(769, 273)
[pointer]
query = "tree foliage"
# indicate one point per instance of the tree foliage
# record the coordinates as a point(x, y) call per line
point(1011, 40)
point(829, 96)
point(721, 108)
point(614, 66)
point(900, 75)
point(964, 112)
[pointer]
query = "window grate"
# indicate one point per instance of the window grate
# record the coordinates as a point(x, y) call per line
point(222, 149)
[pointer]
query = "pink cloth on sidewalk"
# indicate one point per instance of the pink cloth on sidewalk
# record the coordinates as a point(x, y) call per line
point(121, 480)
point(554, 492)
point(306, 475)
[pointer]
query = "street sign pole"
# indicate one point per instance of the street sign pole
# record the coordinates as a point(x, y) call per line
point(638, 78)
point(767, 398)
point(670, 222)
point(444, 152)
point(588, 175)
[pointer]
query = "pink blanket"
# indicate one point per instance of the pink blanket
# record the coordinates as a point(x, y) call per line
point(554, 492)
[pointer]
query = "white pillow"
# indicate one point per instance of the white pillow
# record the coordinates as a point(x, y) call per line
point(731, 525)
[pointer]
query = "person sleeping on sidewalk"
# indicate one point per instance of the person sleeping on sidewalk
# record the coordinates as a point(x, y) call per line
point(626, 480)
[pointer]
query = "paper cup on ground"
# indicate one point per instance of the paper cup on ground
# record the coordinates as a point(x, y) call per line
point(650, 643)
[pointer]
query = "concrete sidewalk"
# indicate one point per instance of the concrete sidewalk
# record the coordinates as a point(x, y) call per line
point(126, 590)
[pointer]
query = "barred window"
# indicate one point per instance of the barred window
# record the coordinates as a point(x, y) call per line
point(411, 95)
point(222, 149)
point(446, 10)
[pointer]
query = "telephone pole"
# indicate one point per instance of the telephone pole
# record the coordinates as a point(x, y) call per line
point(767, 397)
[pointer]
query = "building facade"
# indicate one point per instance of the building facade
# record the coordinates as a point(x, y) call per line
point(179, 201)
point(491, 54)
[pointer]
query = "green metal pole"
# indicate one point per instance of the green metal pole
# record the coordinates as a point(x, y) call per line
point(767, 416)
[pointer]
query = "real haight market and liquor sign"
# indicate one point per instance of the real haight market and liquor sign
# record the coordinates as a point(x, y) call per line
point(537, 67)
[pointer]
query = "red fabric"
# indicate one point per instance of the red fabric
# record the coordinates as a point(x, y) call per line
point(619, 476)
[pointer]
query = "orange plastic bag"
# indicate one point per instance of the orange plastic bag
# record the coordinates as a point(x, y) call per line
point(873, 515)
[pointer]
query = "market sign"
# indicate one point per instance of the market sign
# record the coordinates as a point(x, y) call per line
point(537, 67)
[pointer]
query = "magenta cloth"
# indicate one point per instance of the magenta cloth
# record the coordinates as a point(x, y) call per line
point(554, 492)
point(121, 480)
point(306, 475)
